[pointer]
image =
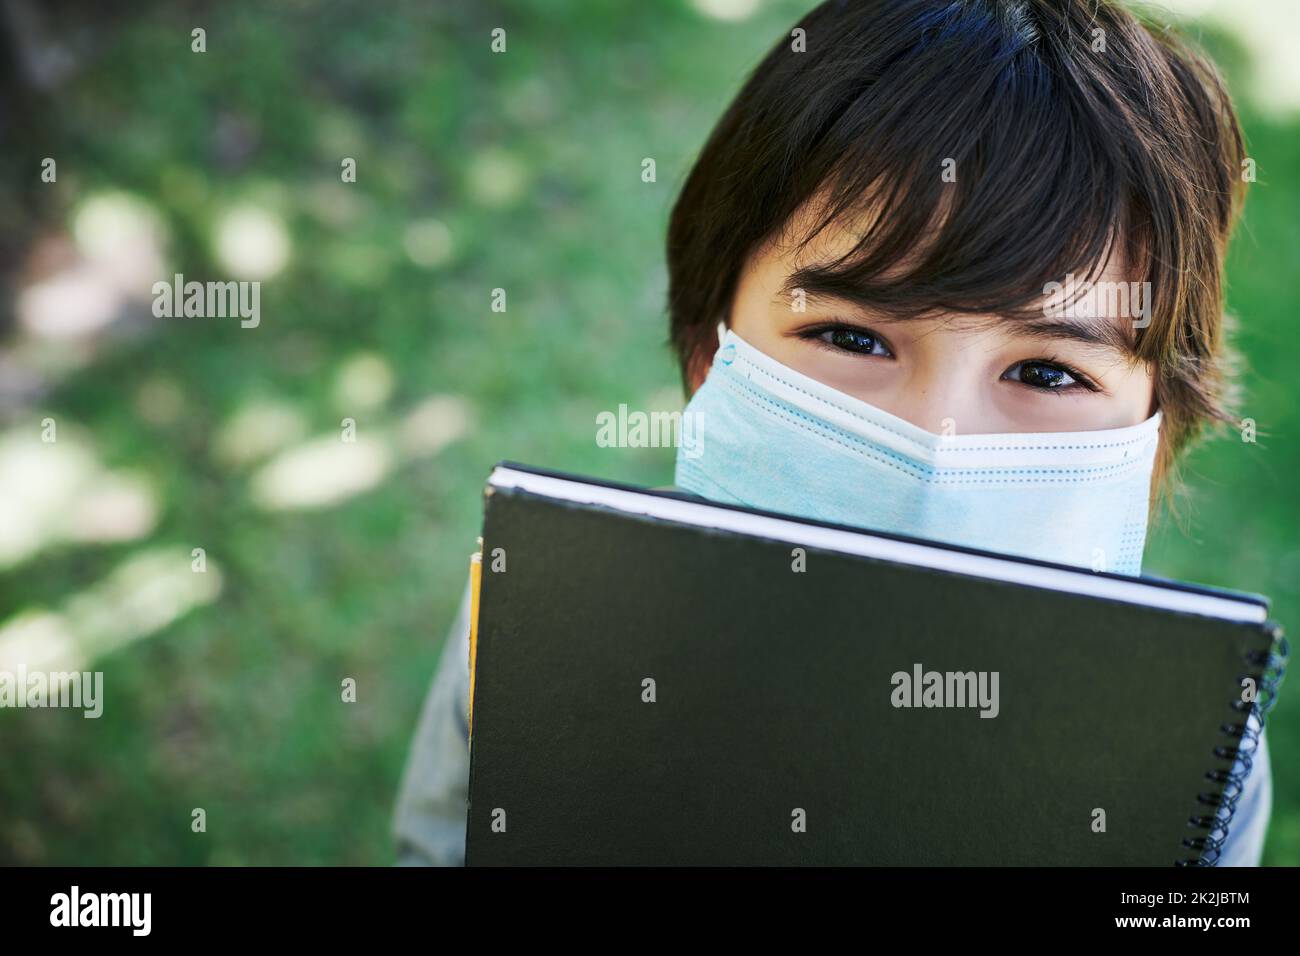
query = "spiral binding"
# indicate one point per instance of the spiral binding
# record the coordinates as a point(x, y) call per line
point(1209, 846)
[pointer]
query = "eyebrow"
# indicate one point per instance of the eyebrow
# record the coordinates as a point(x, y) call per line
point(1102, 333)
point(1096, 332)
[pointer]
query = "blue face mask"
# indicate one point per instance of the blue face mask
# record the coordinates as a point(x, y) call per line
point(768, 437)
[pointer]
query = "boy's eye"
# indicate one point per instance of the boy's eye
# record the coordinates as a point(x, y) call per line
point(1042, 375)
point(854, 340)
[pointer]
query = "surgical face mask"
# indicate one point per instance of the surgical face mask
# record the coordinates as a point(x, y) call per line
point(771, 438)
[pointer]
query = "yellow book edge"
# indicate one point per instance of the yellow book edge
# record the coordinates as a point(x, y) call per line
point(475, 578)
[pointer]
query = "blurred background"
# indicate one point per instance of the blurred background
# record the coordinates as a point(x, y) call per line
point(324, 560)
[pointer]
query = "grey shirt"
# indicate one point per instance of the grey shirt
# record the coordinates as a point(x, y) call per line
point(434, 797)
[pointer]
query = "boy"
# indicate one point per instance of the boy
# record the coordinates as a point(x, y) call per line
point(948, 268)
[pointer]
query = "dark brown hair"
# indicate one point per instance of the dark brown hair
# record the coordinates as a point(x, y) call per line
point(1076, 132)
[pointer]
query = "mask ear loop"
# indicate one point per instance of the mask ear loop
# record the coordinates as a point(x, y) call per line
point(722, 330)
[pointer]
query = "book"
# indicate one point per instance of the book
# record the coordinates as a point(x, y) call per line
point(661, 680)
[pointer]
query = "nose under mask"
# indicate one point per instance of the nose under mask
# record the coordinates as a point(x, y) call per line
point(768, 437)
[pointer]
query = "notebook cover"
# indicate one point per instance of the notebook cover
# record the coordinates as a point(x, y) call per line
point(774, 701)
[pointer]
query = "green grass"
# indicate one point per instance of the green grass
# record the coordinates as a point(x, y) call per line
point(235, 707)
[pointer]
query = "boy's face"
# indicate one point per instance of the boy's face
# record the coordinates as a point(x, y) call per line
point(951, 374)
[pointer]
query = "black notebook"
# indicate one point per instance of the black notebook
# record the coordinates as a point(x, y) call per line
point(659, 680)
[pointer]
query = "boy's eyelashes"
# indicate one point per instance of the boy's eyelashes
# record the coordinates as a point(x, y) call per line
point(1046, 374)
point(848, 338)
